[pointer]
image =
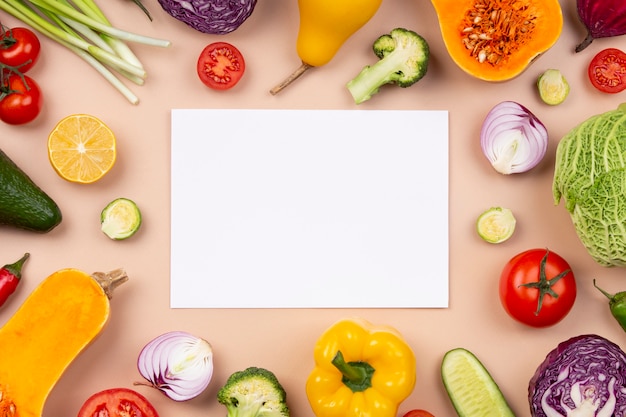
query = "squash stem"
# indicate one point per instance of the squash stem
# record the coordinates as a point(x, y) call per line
point(109, 281)
point(291, 78)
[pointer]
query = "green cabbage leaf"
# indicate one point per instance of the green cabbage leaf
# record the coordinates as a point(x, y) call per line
point(590, 176)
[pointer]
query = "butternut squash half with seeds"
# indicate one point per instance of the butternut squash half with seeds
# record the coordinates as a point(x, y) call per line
point(58, 320)
point(496, 40)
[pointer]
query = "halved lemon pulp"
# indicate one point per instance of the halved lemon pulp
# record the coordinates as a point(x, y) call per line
point(81, 148)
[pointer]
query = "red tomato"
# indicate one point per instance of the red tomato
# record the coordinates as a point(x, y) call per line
point(220, 65)
point(537, 288)
point(607, 70)
point(19, 47)
point(117, 402)
point(20, 102)
point(418, 413)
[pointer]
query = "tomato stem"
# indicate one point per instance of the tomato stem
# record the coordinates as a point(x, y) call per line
point(8, 40)
point(544, 285)
point(5, 86)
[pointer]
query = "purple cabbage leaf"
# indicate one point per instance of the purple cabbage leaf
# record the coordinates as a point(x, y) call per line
point(216, 17)
point(584, 376)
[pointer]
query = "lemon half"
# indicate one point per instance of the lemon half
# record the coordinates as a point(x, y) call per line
point(81, 148)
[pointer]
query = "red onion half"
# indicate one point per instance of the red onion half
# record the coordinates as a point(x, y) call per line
point(512, 138)
point(178, 364)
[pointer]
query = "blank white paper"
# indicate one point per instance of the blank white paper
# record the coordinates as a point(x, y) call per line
point(309, 209)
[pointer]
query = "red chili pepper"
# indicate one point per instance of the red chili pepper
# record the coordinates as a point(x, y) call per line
point(10, 276)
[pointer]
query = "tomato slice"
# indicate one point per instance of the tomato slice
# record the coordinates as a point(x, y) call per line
point(117, 402)
point(607, 70)
point(220, 66)
point(19, 48)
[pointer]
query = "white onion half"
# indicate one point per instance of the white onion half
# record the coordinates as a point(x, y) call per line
point(512, 138)
point(178, 364)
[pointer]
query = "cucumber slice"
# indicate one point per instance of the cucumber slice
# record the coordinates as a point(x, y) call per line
point(471, 388)
point(120, 219)
point(496, 224)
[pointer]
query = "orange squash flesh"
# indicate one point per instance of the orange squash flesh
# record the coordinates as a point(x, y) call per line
point(58, 320)
point(496, 40)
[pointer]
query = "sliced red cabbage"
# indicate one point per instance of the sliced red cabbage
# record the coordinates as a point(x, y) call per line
point(210, 16)
point(584, 376)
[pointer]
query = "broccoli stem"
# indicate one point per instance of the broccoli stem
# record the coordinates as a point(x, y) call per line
point(246, 409)
point(371, 78)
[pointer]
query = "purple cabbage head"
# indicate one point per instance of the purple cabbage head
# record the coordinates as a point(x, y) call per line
point(216, 17)
point(582, 376)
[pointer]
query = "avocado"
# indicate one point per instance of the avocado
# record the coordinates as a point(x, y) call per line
point(22, 203)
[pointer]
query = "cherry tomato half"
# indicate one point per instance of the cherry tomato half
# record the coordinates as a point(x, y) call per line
point(19, 47)
point(23, 102)
point(607, 71)
point(220, 66)
point(117, 402)
point(537, 288)
point(418, 413)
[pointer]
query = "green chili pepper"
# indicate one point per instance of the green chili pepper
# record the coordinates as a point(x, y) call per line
point(617, 304)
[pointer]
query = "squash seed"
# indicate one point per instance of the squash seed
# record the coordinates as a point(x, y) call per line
point(491, 34)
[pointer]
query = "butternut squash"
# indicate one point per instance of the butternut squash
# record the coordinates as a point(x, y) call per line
point(57, 321)
point(496, 40)
point(325, 25)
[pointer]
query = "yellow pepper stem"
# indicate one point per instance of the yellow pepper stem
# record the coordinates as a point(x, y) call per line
point(355, 375)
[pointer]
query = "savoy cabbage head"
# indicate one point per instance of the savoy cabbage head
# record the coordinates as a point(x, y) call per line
point(590, 176)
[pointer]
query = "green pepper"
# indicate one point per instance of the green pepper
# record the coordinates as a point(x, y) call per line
point(617, 304)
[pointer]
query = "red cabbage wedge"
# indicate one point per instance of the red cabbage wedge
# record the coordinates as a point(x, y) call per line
point(583, 376)
point(602, 19)
point(216, 17)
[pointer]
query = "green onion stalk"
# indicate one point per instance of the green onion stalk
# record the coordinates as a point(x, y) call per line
point(82, 27)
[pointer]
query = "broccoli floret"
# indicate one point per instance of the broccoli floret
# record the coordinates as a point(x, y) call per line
point(253, 392)
point(403, 61)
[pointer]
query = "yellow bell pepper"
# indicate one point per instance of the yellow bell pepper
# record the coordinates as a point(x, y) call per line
point(325, 25)
point(361, 370)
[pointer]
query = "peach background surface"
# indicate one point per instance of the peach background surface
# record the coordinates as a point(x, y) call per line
point(283, 340)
